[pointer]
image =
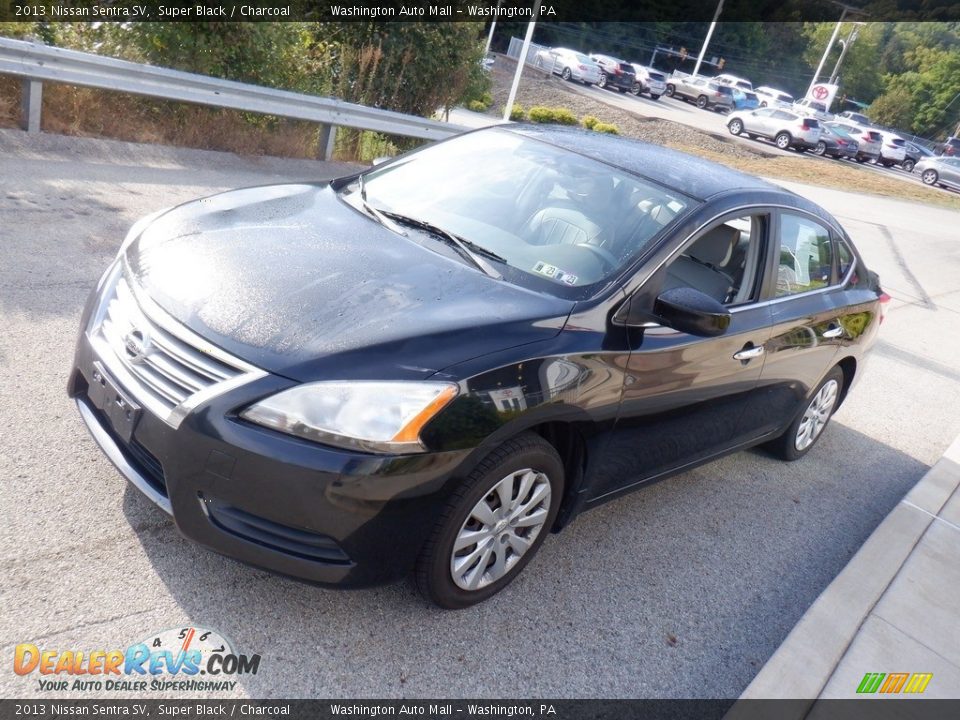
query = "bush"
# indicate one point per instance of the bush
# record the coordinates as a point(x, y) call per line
point(606, 128)
point(589, 121)
point(517, 113)
point(560, 116)
point(477, 106)
point(487, 99)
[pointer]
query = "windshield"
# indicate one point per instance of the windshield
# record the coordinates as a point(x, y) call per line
point(549, 219)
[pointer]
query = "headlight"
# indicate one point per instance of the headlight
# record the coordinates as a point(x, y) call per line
point(384, 417)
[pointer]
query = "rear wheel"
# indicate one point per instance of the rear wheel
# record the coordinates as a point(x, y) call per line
point(603, 80)
point(735, 126)
point(669, 91)
point(493, 524)
point(820, 149)
point(807, 428)
point(636, 89)
point(566, 74)
point(782, 140)
point(702, 102)
point(930, 177)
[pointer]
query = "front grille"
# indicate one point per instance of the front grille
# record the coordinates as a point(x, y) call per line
point(165, 366)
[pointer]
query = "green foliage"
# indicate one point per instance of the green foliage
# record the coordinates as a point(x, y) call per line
point(477, 106)
point(588, 121)
point(860, 75)
point(559, 116)
point(606, 128)
point(517, 113)
point(919, 100)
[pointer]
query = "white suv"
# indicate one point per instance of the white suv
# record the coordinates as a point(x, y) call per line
point(774, 97)
point(893, 149)
point(812, 108)
point(727, 79)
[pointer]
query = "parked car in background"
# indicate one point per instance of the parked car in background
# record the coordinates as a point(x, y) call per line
point(614, 73)
point(893, 149)
point(785, 128)
point(939, 170)
point(855, 117)
point(868, 138)
point(744, 99)
point(836, 142)
point(706, 93)
point(733, 80)
point(915, 153)
point(649, 81)
point(949, 148)
point(812, 108)
point(569, 64)
point(773, 97)
point(467, 347)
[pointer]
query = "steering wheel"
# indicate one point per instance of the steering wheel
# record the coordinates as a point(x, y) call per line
point(605, 255)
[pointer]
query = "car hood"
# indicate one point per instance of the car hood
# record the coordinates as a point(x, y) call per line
point(293, 280)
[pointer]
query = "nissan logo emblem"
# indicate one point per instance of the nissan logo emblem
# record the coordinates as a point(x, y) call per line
point(137, 346)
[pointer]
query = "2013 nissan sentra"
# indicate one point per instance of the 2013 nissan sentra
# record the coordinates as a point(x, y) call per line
point(425, 367)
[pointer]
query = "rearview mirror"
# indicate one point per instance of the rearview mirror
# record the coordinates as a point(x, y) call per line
point(691, 311)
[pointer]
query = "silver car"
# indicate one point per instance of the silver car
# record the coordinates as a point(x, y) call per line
point(705, 92)
point(569, 64)
point(650, 81)
point(869, 139)
point(785, 128)
point(939, 170)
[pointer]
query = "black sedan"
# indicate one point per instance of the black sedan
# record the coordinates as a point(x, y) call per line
point(836, 142)
point(426, 367)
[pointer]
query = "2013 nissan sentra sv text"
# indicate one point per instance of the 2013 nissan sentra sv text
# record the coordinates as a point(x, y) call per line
point(425, 367)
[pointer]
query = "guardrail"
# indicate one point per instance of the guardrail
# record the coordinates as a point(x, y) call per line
point(36, 63)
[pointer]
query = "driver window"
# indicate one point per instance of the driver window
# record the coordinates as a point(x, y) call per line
point(722, 261)
point(805, 255)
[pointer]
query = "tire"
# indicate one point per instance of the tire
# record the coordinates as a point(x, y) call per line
point(669, 91)
point(783, 140)
point(735, 126)
point(908, 165)
point(525, 458)
point(807, 428)
point(636, 89)
point(603, 81)
point(820, 149)
point(702, 102)
point(566, 74)
point(930, 177)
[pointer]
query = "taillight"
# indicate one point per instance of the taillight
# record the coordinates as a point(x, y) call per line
point(582, 67)
point(806, 125)
point(842, 142)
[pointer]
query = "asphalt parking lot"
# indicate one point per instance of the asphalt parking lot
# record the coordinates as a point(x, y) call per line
point(683, 589)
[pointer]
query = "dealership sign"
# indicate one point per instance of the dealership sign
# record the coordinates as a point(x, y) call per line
point(822, 92)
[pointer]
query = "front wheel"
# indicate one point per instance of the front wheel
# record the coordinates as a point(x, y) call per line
point(820, 149)
point(735, 126)
point(702, 102)
point(782, 140)
point(566, 74)
point(493, 524)
point(930, 177)
point(636, 89)
point(908, 165)
point(603, 81)
point(807, 428)
point(670, 91)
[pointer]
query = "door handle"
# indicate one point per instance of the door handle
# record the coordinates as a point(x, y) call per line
point(748, 353)
point(833, 332)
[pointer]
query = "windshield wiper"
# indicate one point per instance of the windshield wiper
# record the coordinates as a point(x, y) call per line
point(378, 214)
point(467, 249)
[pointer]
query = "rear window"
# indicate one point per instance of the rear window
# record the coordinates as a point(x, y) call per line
point(657, 76)
point(785, 98)
point(899, 142)
point(627, 67)
point(873, 135)
point(725, 89)
point(811, 122)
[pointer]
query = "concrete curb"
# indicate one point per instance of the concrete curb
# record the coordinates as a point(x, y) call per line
point(805, 661)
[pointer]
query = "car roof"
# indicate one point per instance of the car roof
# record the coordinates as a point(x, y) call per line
point(690, 175)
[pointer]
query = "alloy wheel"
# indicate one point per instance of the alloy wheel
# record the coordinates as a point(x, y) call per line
point(736, 127)
point(603, 80)
point(500, 529)
point(783, 141)
point(816, 415)
point(929, 177)
point(566, 74)
point(821, 148)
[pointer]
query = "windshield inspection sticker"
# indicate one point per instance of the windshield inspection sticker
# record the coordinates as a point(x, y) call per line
point(555, 273)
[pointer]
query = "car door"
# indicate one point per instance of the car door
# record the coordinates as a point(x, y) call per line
point(951, 171)
point(809, 315)
point(684, 395)
point(758, 121)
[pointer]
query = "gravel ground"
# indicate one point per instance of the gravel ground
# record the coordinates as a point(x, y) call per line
point(540, 88)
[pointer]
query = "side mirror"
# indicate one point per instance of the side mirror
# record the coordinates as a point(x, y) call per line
point(691, 311)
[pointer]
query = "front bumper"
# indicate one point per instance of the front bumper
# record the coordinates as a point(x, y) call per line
point(320, 514)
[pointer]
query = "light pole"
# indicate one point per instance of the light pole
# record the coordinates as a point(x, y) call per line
point(846, 46)
point(493, 24)
point(521, 61)
point(706, 40)
point(833, 38)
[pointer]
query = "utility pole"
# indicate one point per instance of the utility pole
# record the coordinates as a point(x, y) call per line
point(846, 46)
point(493, 24)
point(521, 61)
point(833, 39)
point(706, 41)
